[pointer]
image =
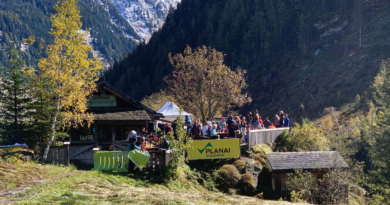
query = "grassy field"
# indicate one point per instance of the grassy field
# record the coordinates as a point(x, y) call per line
point(31, 183)
point(14, 171)
point(95, 187)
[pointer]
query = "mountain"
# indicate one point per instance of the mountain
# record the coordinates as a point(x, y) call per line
point(144, 16)
point(301, 55)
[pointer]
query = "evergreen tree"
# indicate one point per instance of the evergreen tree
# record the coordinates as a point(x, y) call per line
point(379, 139)
point(14, 101)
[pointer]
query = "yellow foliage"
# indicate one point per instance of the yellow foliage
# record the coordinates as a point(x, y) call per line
point(156, 101)
point(303, 138)
point(68, 70)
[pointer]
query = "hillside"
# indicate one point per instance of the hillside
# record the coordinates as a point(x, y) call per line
point(111, 35)
point(94, 187)
point(301, 56)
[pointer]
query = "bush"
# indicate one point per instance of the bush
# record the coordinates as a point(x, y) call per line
point(246, 184)
point(240, 164)
point(227, 177)
point(303, 138)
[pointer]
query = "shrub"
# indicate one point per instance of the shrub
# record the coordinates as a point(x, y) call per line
point(246, 184)
point(303, 138)
point(240, 165)
point(227, 177)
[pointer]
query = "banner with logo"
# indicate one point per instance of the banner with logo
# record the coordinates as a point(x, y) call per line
point(111, 160)
point(214, 149)
point(139, 158)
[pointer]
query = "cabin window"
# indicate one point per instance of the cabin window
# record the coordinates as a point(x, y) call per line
point(105, 132)
point(120, 132)
point(82, 133)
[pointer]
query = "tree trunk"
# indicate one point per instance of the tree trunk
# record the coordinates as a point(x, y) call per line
point(53, 129)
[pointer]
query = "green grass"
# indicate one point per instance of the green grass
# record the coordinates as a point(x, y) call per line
point(96, 187)
point(14, 171)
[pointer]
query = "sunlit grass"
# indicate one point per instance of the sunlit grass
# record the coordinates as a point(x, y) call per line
point(95, 187)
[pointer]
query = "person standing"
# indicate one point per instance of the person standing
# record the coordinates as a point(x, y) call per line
point(276, 122)
point(132, 146)
point(267, 123)
point(281, 119)
point(222, 121)
point(205, 130)
point(130, 134)
point(250, 120)
point(256, 120)
point(232, 125)
point(243, 128)
point(286, 121)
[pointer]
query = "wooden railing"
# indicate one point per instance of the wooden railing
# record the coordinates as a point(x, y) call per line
point(157, 162)
point(264, 136)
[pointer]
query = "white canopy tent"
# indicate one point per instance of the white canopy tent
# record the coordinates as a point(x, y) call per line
point(171, 111)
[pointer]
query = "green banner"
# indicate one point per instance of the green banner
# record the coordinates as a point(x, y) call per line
point(102, 101)
point(140, 158)
point(111, 160)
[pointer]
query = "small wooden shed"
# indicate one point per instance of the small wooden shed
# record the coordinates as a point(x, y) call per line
point(318, 163)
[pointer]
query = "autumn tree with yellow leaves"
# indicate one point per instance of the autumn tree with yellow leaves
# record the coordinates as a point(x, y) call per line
point(202, 84)
point(68, 68)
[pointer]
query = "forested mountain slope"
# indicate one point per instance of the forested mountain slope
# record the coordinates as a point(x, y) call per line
point(301, 55)
point(111, 35)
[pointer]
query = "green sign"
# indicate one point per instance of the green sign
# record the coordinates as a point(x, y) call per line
point(111, 160)
point(102, 101)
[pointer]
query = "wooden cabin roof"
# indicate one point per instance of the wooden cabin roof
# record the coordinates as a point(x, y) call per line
point(123, 115)
point(284, 161)
point(118, 112)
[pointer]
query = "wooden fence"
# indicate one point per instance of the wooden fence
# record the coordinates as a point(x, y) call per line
point(82, 153)
point(157, 162)
point(58, 155)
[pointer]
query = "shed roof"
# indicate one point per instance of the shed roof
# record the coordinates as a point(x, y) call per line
point(280, 161)
point(123, 115)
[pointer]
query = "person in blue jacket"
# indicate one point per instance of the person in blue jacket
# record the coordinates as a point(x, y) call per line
point(132, 145)
point(286, 120)
point(164, 144)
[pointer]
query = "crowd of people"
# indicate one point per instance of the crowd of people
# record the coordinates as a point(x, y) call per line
point(142, 142)
point(232, 124)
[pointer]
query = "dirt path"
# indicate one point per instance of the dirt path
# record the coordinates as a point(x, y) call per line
point(21, 188)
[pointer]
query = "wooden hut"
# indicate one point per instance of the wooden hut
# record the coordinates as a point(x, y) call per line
point(318, 163)
point(114, 113)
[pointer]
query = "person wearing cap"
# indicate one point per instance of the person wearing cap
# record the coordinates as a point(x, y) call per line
point(222, 121)
point(130, 134)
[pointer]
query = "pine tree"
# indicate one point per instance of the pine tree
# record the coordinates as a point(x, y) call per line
point(379, 139)
point(14, 101)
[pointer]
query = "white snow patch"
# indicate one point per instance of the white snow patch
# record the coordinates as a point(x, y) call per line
point(145, 16)
point(334, 30)
point(23, 47)
point(91, 41)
